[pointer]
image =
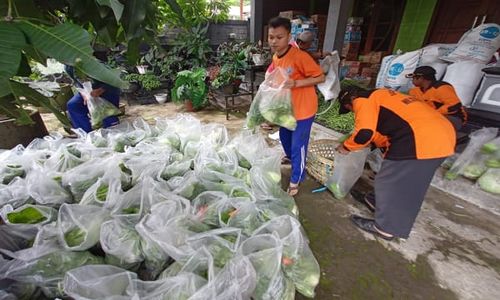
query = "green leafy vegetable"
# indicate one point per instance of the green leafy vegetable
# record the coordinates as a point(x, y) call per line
point(75, 237)
point(29, 215)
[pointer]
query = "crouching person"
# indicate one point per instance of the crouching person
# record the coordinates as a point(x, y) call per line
point(418, 139)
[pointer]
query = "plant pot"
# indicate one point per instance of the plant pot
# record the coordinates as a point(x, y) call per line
point(188, 105)
point(258, 59)
point(142, 69)
point(161, 97)
point(12, 134)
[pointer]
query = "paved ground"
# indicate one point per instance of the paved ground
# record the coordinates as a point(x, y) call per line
point(452, 253)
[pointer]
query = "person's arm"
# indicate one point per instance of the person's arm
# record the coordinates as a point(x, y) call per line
point(449, 98)
point(311, 81)
point(365, 125)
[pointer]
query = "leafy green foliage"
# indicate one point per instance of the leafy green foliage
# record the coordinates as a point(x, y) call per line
point(65, 30)
point(148, 81)
point(190, 85)
point(29, 215)
point(190, 13)
point(232, 58)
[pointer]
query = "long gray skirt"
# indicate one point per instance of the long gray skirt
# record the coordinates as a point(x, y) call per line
point(400, 188)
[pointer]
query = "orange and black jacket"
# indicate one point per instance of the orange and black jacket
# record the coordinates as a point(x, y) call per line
point(442, 97)
point(408, 128)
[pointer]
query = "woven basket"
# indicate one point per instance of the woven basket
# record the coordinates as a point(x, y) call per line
point(320, 159)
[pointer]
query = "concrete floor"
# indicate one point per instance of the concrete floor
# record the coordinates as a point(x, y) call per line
point(453, 251)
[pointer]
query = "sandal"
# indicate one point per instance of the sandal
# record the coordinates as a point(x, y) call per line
point(293, 190)
point(286, 160)
point(266, 126)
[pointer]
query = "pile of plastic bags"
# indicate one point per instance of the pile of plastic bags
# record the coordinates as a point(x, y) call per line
point(480, 161)
point(171, 211)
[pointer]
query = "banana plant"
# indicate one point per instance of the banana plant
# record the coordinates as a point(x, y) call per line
point(32, 30)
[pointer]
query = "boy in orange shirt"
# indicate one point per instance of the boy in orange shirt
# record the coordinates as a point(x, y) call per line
point(304, 73)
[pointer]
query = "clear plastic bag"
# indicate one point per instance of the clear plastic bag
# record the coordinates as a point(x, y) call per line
point(80, 225)
point(25, 221)
point(348, 169)
point(490, 181)
point(179, 287)
point(274, 103)
point(99, 108)
point(236, 281)
point(249, 147)
point(375, 159)
point(45, 188)
point(46, 268)
point(81, 178)
point(200, 263)
point(331, 87)
point(221, 243)
point(466, 159)
point(15, 194)
point(298, 262)
point(121, 243)
point(67, 157)
point(492, 152)
point(99, 282)
point(265, 253)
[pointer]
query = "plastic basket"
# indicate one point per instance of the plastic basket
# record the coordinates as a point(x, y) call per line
point(320, 159)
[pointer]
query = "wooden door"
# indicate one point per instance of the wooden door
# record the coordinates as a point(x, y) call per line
point(452, 18)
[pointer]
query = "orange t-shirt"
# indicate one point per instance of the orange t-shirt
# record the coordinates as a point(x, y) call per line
point(299, 65)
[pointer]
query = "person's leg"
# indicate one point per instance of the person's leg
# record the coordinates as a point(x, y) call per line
point(286, 141)
point(400, 188)
point(79, 113)
point(113, 96)
point(456, 122)
point(300, 142)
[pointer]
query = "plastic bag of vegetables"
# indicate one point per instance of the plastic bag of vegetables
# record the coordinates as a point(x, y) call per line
point(347, 170)
point(221, 243)
point(79, 225)
point(45, 188)
point(200, 263)
point(490, 181)
point(15, 194)
point(121, 243)
point(25, 221)
point(236, 281)
point(298, 262)
point(99, 108)
point(273, 102)
point(492, 151)
point(98, 282)
point(45, 267)
point(265, 253)
point(66, 157)
point(477, 139)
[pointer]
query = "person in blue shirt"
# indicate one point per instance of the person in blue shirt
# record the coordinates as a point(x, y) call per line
point(77, 105)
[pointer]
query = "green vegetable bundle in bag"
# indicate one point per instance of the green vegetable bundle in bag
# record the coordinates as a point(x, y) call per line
point(99, 108)
point(273, 102)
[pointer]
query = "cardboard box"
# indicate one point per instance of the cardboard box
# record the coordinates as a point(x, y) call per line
point(291, 14)
point(318, 19)
point(350, 50)
point(376, 57)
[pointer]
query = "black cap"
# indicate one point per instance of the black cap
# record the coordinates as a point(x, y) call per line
point(344, 98)
point(422, 71)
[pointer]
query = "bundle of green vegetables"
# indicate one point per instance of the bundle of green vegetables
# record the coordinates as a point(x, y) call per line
point(178, 199)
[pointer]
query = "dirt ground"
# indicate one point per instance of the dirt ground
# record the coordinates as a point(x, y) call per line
point(453, 252)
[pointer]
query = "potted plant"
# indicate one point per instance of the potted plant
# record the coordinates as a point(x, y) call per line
point(232, 59)
point(258, 54)
point(190, 88)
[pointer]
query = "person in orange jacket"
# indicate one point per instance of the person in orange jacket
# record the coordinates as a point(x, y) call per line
point(303, 74)
point(417, 140)
point(439, 95)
